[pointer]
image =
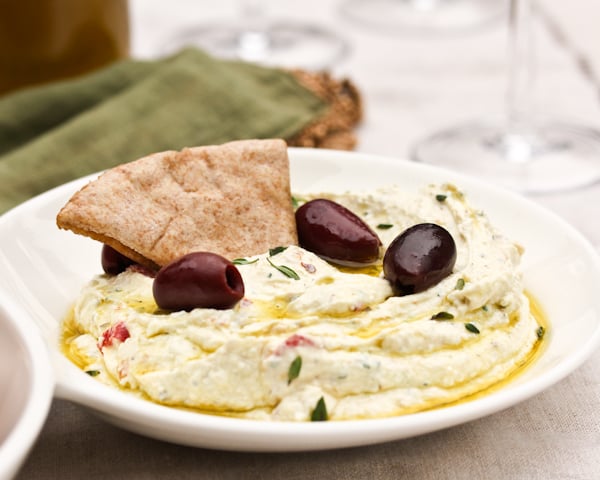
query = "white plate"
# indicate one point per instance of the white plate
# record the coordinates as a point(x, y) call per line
point(26, 385)
point(44, 268)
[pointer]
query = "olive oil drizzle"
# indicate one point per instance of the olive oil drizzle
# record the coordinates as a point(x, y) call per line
point(70, 332)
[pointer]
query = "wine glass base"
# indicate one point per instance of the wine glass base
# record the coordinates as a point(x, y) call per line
point(279, 44)
point(424, 15)
point(546, 158)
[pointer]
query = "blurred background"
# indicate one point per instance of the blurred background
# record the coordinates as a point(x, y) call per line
point(414, 81)
point(417, 73)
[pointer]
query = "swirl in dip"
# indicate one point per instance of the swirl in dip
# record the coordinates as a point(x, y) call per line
point(334, 333)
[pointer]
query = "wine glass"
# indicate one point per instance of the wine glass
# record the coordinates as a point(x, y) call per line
point(426, 16)
point(254, 37)
point(528, 153)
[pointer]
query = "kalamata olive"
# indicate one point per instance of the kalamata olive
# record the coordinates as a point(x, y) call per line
point(419, 258)
point(114, 262)
point(198, 280)
point(335, 233)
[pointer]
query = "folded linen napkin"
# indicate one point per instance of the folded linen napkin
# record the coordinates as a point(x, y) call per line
point(55, 133)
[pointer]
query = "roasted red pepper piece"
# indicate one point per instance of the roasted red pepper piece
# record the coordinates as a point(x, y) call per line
point(117, 332)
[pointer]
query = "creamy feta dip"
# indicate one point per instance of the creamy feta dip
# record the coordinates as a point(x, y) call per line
point(331, 333)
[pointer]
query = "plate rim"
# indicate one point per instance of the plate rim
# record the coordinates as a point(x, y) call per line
point(22, 436)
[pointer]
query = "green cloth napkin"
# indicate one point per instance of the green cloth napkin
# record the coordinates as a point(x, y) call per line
point(55, 133)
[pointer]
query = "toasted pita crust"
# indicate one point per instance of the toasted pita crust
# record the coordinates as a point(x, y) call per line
point(232, 199)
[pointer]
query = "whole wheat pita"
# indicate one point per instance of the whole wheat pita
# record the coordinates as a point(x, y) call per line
point(232, 199)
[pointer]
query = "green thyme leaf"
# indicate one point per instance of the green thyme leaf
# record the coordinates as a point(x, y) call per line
point(384, 226)
point(294, 369)
point(287, 271)
point(319, 414)
point(442, 316)
point(243, 261)
point(93, 373)
point(460, 284)
point(295, 202)
point(541, 331)
point(471, 328)
point(276, 250)
point(441, 198)
point(485, 308)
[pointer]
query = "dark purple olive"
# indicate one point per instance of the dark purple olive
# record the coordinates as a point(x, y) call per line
point(419, 258)
point(114, 262)
point(198, 280)
point(332, 231)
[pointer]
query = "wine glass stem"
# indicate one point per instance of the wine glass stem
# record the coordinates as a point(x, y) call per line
point(253, 42)
point(520, 75)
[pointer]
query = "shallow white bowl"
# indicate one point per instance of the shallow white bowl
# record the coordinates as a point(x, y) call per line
point(26, 385)
point(44, 269)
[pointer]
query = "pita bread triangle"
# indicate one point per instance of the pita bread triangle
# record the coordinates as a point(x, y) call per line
point(232, 199)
